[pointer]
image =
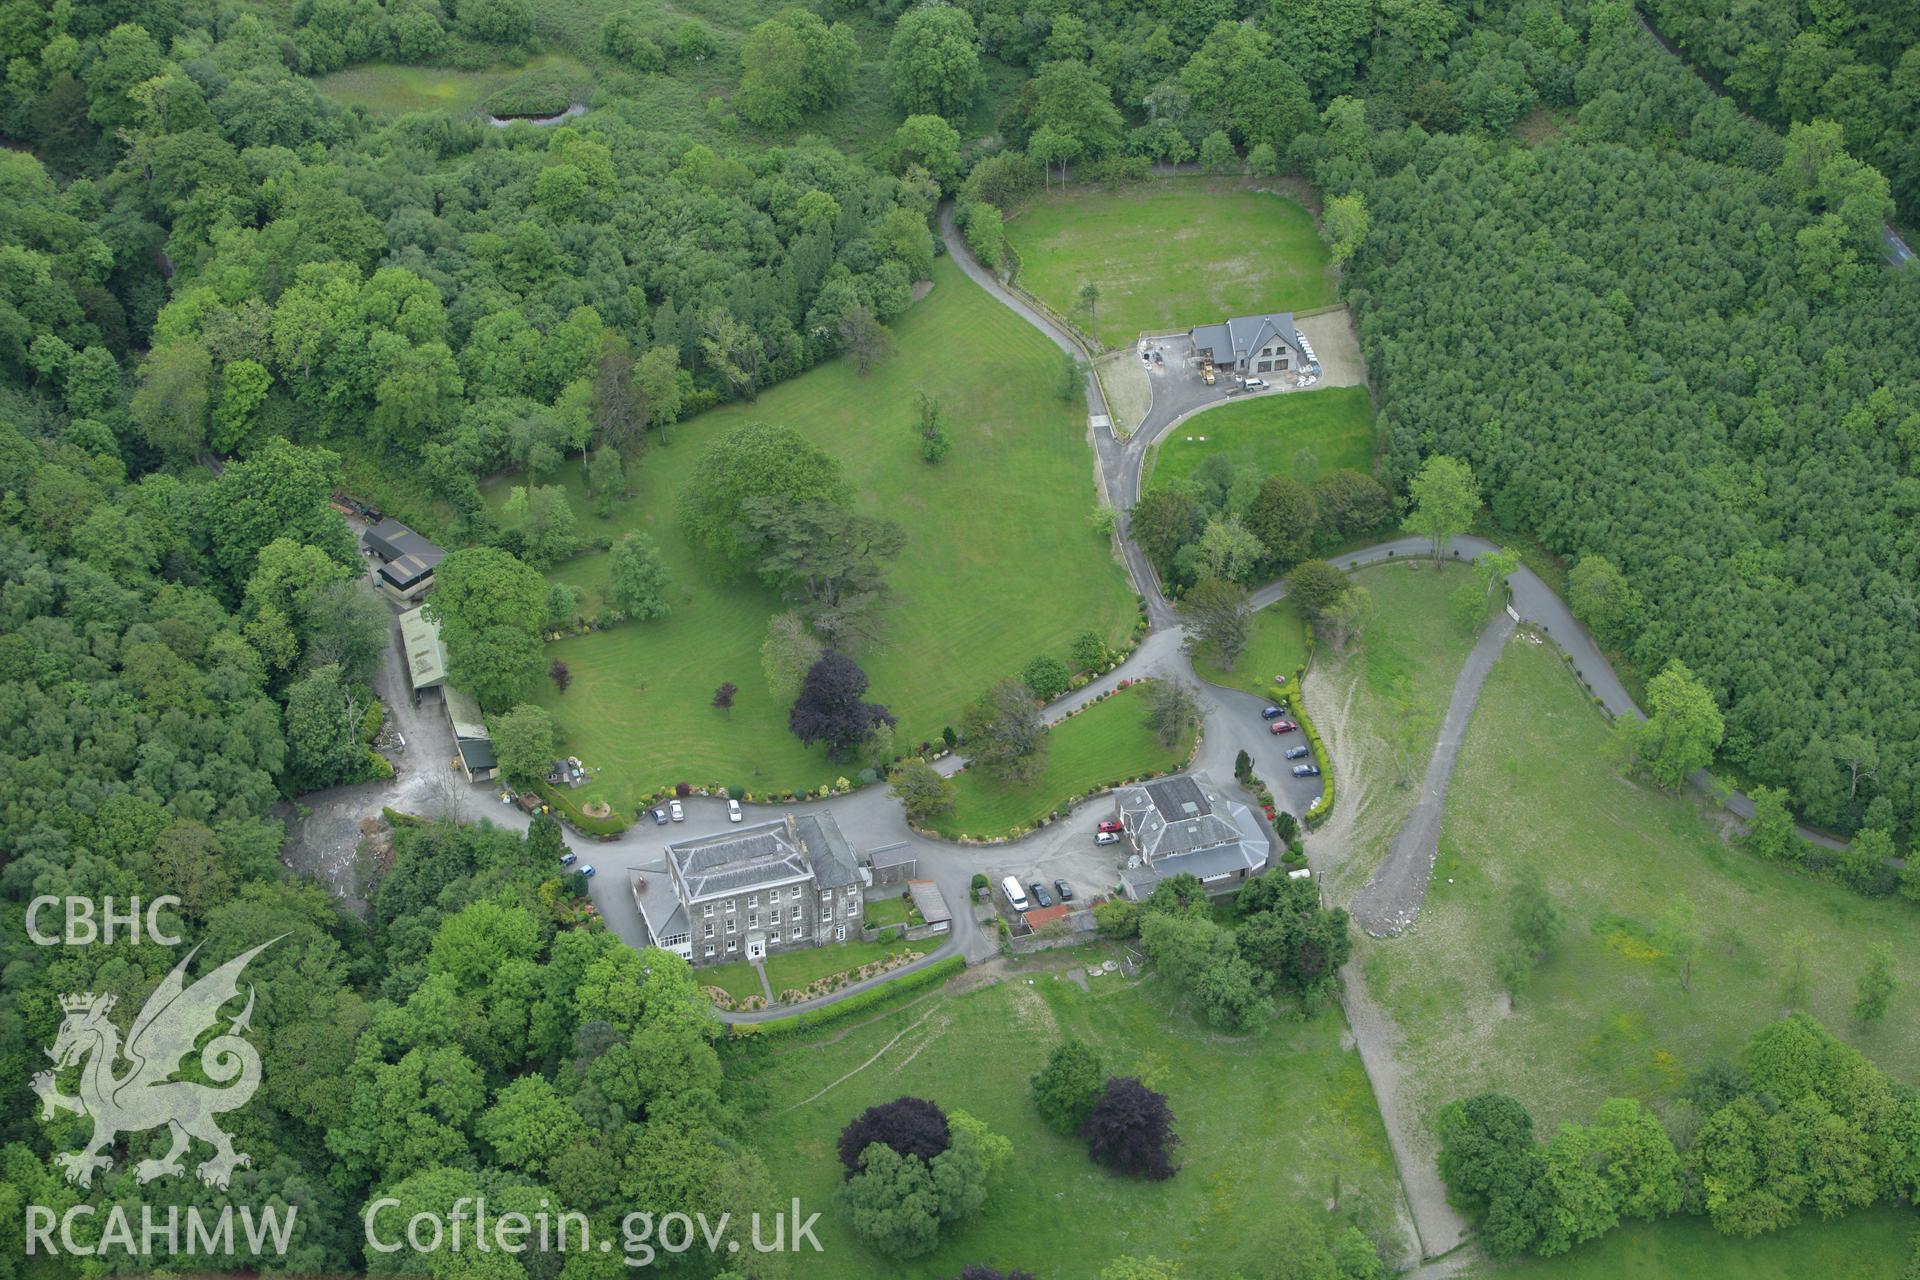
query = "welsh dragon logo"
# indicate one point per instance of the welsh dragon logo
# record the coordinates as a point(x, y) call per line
point(145, 1096)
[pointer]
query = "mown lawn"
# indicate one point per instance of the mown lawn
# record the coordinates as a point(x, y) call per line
point(392, 89)
point(737, 980)
point(1001, 563)
point(1607, 1015)
point(1411, 646)
point(1170, 253)
point(1105, 743)
point(1862, 1246)
point(894, 910)
point(1303, 434)
point(1282, 1116)
point(1277, 647)
point(795, 969)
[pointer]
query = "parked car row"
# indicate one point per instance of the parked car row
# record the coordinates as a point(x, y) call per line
point(1021, 899)
point(1277, 721)
point(1041, 897)
point(584, 870)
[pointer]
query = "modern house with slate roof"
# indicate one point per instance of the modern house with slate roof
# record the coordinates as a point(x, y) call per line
point(737, 895)
point(1184, 824)
point(407, 560)
point(1252, 345)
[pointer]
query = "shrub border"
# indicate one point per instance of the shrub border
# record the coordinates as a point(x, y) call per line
point(916, 980)
point(1317, 811)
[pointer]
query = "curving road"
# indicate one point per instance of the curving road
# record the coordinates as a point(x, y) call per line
point(1397, 889)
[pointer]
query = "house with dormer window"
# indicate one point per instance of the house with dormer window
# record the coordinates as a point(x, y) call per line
point(1252, 345)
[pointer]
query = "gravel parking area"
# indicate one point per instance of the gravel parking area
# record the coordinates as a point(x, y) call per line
point(1338, 350)
point(1065, 850)
point(1129, 394)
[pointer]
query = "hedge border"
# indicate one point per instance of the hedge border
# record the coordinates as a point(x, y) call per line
point(917, 980)
point(1317, 811)
point(607, 828)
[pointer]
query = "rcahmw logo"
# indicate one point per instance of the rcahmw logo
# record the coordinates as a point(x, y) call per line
point(129, 1087)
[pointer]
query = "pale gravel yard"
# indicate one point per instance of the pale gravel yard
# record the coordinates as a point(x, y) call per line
point(1336, 347)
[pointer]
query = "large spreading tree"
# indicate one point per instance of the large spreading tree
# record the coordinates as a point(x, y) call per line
point(773, 463)
point(1004, 734)
point(490, 608)
point(933, 61)
point(1443, 498)
point(830, 707)
point(1130, 1130)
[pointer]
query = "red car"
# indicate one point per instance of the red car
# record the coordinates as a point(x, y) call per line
point(1111, 824)
point(1282, 726)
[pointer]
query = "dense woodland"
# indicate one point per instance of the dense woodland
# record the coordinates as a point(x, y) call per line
point(1855, 64)
point(1685, 357)
point(1659, 332)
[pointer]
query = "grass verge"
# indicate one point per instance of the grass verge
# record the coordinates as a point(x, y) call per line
point(1303, 434)
point(1278, 646)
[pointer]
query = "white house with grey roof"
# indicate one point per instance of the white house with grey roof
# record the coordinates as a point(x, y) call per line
point(1253, 345)
point(745, 892)
point(1185, 824)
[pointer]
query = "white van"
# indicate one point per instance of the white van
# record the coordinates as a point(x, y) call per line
point(1016, 896)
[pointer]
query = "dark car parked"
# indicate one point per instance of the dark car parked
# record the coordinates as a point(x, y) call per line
point(1306, 771)
point(1272, 713)
point(660, 817)
point(1064, 889)
point(1039, 892)
point(1299, 753)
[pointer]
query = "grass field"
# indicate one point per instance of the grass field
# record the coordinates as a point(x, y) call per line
point(1410, 645)
point(1303, 434)
point(1108, 741)
point(1607, 1016)
point(796, 968)
point(1285, 1115)
point(1863, 1246)
point(1001, 562)
point(1169, 254)
point(1277, 647)
point(390, 89)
